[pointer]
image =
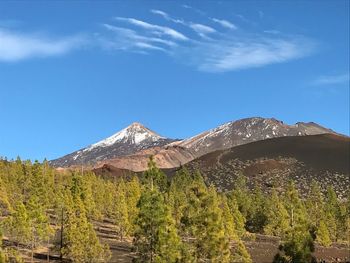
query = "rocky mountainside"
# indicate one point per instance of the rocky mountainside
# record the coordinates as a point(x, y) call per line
point(274, 162)
point(245, 131)
point(223, 137)
point(130, 140)
point(131, 148)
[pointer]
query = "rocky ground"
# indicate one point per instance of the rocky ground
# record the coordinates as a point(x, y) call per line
point(277, 172)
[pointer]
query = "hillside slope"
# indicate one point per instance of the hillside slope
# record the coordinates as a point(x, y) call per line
point(324, 158)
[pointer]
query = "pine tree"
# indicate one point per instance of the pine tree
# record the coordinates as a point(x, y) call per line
point(38, 183)
point(154, 177)
point(120, 214)
point(214, 245)
point(322, 235)
point(18, 225)
point(177, 194)
point(242, 196)
point(228, 220)
point(4, 201)
point(155, 237)
point(203, 221)
point(256, 216)
point(298, 243)
point(315, 205)
point(297, 247)
point(295, 207)
point(133, 194)
point(39, 223)
point(80, 242)
point(333, 213)
point(239, 252)
point(239, 219)
point(277, 216)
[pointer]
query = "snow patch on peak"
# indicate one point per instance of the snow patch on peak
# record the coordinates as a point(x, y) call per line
point(135, 133)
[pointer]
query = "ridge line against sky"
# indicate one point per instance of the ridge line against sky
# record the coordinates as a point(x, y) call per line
point(72, 73)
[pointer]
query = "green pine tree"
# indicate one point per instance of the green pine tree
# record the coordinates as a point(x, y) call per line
point(322, 235)
point(277, 216)
point(133, 194)
point(203, 221)
point(177, 194)
point(239, 219)
point(155, 237)
point(39, 223)
point(333, 214)
point(80, 242)
point(18, 225)
point(120, 215)
point(154, 177)
point(298, 243)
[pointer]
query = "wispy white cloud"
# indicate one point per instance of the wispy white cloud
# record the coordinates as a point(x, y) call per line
point(224, 23)
point(337, 79)
point(128, 39)
point(16, 46)
point(202, 30)
point(159, 12)
point(156, 29)
point(221, 52)
point(167, 16)
point(224, 50)
point(235, 53)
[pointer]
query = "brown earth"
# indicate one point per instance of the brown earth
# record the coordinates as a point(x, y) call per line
point(322, 152)
point(166, 157)
point(274, 162)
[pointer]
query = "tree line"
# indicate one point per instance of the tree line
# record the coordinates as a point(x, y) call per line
point(178, 219)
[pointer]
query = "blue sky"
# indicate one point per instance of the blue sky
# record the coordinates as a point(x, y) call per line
point(75, 72)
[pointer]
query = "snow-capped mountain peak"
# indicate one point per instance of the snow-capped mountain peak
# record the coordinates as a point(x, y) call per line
point(128, 141)
point(135, 133)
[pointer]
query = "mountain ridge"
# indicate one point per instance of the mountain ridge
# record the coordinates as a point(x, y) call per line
point(131, 147)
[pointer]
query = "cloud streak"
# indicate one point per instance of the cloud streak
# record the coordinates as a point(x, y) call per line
point(237, 53)
point(16, 46)
point(128, 39)
point(155, 29)
point(223, 51)
point(225, 23)
point(331, 80)
point(200, 29)
point(166, 16)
